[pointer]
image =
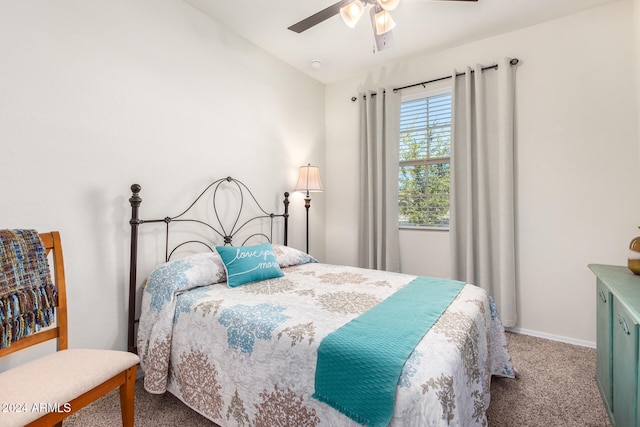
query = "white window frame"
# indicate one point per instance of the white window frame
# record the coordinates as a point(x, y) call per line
point(433, 89)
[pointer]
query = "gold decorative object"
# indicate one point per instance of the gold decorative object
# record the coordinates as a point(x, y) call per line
point(634, 256)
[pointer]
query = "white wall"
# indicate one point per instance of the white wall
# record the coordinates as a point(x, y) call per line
point(577, 160)
point(95, 96)
point(636, 20)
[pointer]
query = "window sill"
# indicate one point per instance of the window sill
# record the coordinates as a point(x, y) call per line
point(409, 228)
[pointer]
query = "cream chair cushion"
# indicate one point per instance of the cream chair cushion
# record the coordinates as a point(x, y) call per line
point(28, 391)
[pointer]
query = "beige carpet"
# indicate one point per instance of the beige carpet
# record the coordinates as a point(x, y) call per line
point(555, 387)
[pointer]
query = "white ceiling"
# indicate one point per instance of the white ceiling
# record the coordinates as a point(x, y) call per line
point(421, 26)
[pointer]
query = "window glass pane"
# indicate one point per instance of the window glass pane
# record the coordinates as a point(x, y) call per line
point(425, 149)
point(425, 128)
point(423, 198)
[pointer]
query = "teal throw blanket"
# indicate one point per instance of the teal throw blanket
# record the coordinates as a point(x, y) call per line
point(359, 365)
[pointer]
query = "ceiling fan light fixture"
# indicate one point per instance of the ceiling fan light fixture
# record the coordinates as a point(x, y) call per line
point(352, 12)
point(388, 4)
point(383, 22)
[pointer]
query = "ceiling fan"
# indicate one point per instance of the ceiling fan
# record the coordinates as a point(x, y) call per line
point(352, 10)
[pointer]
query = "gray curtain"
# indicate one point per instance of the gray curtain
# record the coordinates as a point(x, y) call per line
point(378, 239)
point(482, 223)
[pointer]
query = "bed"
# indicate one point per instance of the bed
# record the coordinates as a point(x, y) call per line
point(257, 353)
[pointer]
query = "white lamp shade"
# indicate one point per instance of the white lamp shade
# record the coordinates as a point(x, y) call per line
point(309, 179)
point(383, 22)
point(352, 12)
point(388, 4)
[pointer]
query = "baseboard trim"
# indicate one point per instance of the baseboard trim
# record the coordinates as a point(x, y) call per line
point(552, 337)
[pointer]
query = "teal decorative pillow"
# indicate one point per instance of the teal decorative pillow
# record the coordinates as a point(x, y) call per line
point(246, 264)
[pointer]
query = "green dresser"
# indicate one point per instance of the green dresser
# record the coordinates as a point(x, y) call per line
point(617, 345)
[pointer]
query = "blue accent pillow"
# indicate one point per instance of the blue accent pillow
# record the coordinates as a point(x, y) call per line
point(246, 264)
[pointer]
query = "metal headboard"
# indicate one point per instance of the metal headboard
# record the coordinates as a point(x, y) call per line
point(217, 231)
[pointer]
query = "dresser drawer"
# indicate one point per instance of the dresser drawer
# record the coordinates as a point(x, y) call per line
point(604, 310)
point(624, 366)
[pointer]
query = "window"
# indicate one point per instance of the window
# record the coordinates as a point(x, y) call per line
point(425, 151)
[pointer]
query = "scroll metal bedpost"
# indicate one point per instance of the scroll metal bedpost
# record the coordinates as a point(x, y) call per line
point(135, 200)
point(286, 217)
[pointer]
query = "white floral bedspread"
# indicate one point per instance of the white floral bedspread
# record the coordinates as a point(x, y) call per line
point(247, 356)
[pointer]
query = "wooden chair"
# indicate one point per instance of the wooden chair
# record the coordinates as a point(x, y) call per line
point(47, 390)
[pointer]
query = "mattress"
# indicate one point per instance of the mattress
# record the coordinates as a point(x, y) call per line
point(247, 355)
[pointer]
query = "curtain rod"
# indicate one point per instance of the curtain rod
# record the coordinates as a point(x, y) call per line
point(514, 61)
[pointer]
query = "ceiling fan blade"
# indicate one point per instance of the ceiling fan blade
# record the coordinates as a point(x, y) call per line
point(317, 18)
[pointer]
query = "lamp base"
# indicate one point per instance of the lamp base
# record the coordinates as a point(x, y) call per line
point(307, 205)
